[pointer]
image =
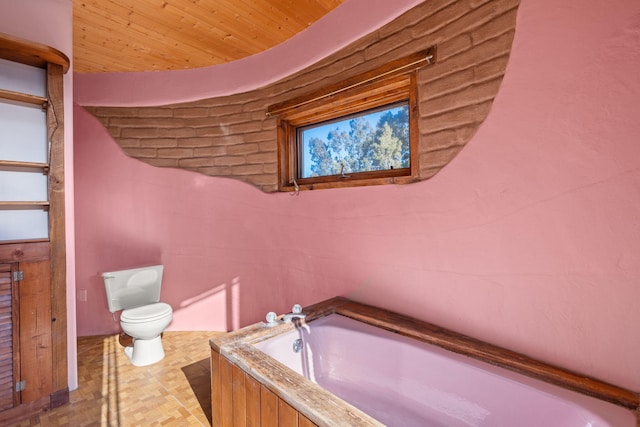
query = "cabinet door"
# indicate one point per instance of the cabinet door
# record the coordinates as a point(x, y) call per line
point(35, 330)
point(6, 339)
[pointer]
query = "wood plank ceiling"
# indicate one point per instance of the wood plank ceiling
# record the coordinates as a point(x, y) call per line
point(148, 35)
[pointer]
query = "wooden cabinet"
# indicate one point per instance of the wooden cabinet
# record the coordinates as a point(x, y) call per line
point(25, 333)
point(33, 312)
point(27, 342)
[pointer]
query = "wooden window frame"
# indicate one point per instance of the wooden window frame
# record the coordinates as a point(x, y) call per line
point(393, 82)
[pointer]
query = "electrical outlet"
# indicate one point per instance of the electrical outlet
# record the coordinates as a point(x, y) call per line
point(82, 295)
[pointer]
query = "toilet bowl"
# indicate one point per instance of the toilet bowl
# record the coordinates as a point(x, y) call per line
point(137, 293)
point(145, 324)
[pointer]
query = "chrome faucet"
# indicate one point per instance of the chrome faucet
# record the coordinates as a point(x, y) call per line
point(296, 313)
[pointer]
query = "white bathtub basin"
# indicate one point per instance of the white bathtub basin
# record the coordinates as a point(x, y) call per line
point(404, 382)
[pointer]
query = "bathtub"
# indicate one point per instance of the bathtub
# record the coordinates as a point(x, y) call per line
point(350, 364)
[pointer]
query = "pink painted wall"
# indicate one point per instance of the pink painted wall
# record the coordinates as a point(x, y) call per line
point(529, 239)
point(50, 22)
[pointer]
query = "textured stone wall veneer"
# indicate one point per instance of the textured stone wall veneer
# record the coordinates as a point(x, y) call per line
point(232, 137)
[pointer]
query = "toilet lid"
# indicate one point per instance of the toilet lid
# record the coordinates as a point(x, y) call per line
point(146, 312)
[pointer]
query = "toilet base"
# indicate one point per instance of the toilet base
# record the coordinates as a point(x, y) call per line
point(145, 352)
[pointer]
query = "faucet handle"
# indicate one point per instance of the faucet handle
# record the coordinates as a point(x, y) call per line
point(296, 309)
point(271, 318)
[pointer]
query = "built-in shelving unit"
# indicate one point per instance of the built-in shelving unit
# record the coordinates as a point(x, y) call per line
point(27, 100)
point(33, 263)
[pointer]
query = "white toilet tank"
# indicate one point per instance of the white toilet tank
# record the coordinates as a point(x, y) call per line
point(133, 288)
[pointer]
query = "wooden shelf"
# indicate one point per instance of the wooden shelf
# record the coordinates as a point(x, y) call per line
point(24, 206)
point(13, 166)
point(23, 97)
point(31, 53)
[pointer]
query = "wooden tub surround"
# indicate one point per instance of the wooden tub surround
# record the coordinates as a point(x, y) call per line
point(249, 388)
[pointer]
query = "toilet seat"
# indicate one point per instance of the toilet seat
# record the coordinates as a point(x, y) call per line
point(146, 313)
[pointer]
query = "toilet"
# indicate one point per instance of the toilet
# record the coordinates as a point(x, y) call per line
point(137, 293)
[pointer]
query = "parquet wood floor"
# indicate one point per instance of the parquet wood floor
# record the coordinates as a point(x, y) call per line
point(113, 393)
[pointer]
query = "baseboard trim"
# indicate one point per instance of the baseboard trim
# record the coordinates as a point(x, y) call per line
point(59, 398)
point(24, 411)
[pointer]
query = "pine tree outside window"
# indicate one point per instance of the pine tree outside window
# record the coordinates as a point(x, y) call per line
point(375, 140)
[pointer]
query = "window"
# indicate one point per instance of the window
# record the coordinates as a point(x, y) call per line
point(362, 131)
point(375, 140)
